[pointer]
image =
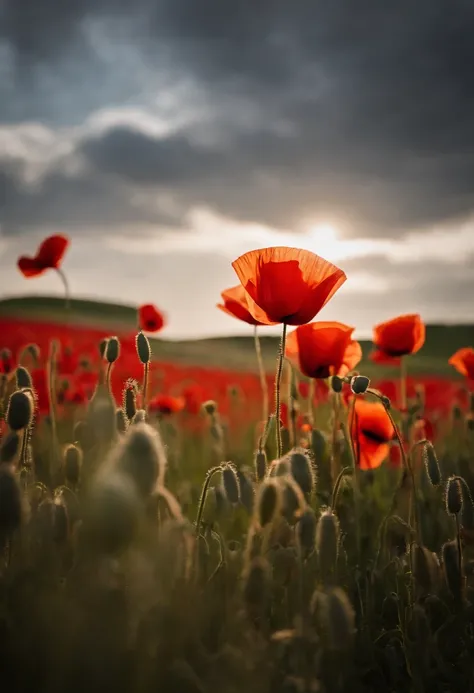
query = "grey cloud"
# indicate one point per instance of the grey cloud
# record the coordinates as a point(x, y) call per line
point(376, 98)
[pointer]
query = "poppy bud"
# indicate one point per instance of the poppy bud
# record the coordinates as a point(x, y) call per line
point(34, 351)
point(453, 496)
point(10, 502)
point(9, 447)
point(257, 584)
point(121, 420)
point(292, 499)
point(72, 464)
point(231, 483)
point(306, 531)
point(141, 455)
point(20, 410)
point(424, 568)
point(327, 542)
point(143, 348)
point(336, 383)
point(285, 439)
point(269, 502)
point(140, 417)
point(247, 495)
point(112, 349)
point(452, 575)
point(431, 464)
point(210, 407)
point(102, 347)
point(302, 471)
point(359, 384)
point(318, 444)
point(260, 463)
point(6, 359)
point(130, 400)
point(340, 620)
point(23, 378)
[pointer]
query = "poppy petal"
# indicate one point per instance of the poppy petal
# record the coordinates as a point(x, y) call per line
point(463, 362)
point(400, 336)
point(30, 267)
point(52, 250)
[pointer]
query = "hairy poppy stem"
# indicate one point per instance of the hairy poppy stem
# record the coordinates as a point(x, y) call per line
point(263, 377)
point(281, 354)
point(146, 369)
point(66, 287)
point(51, 368)
point(202, 500)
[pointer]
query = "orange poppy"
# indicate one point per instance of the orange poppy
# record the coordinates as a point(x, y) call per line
point(321, 349)
point(372, 432)
point(166, 405)
point(235, 304)
point(150, 319)
point(463, 362)
point(48, 256)
point(401, 336)
point(286, 285)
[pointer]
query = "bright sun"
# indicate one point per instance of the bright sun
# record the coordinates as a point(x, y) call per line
point(324, 239)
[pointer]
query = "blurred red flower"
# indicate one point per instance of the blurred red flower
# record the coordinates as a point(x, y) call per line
point(166, 405)
point(372, 432)
point(235, 304)
point(286, 285)
point(150, 319)
point(463, 362)
point(322, 349)
point(400, 336)
point(48, 256)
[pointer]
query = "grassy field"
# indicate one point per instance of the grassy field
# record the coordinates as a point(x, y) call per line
point(229, 352)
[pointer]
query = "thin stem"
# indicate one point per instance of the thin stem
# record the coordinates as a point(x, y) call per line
point(65, 282)
point(202, 500)
point(109, 373)
point(52, 397)
point(337, 486)
point(458, 539)
point(263, 377)
point(146, 370)
point(292, 404)
point(403, 384)
point(355, 479)
point(281, 355)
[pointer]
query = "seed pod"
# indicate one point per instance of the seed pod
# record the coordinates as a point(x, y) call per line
point(72, 464)
point(10, 447)
point(451, 569)
point(268, 502)
point(23, 378)
point(340, 620)
point(102, 347)
point(121, 420)
point(302, 471)
point(431, 464)
point(336, 383)
point(141, 456)
point(143, 348)
point(260, 463)
point(112, 350)
point(327, 543)
point(10, 502)
point(140, 417)
point(359, 384)
point(20, 410)
point(453, 496)
point(318, 444)
point(231, 483)
point(101, 418)
point(306, 531)
point(279, 468)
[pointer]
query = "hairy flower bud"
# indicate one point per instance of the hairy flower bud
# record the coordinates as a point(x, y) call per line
point(231, 483)
point(112, 349)
point(431, 464)
point(453, 496)
point(23, 378)
point(336, 384)
point(143, 348)
point(359, 384)
point(72, 464)
point(20, 410)
point(260, 463)
point(268, 502)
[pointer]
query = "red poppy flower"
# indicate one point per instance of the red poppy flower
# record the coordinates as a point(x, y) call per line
point(401, 336)
point(48, 256)
point(372, 432)
point(286, 285)
point(463, 362)
point(150, 319)
point(321, 349)
point(383, 359)
point(235, 304)
point(166, 405)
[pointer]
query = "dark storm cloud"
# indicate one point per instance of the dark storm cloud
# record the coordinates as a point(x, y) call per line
point(375, 102)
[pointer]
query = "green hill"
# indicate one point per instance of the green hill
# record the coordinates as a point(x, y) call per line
point(229, 352)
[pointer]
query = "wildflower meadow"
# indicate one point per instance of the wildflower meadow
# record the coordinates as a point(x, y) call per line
point(300, 526)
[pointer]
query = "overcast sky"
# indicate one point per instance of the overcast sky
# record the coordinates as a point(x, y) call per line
point(166, 137)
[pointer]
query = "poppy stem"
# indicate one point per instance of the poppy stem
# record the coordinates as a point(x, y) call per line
point(66, 287)
point(281, 354)
point(261, 370)
point(51, 372)
point(146, 368)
